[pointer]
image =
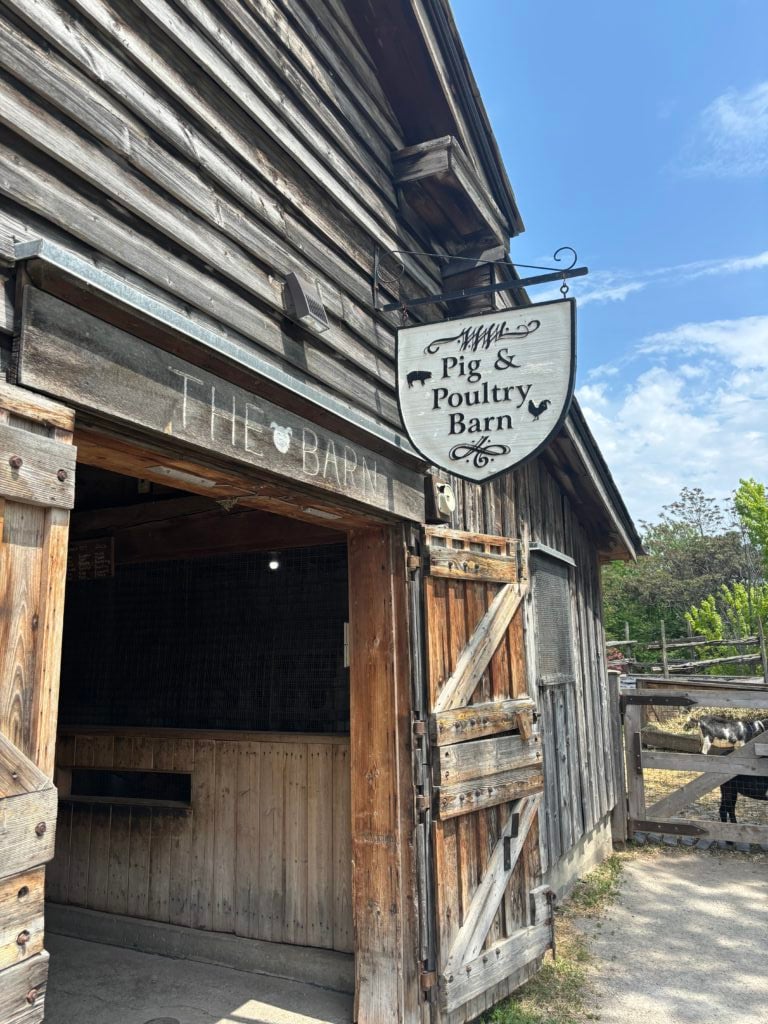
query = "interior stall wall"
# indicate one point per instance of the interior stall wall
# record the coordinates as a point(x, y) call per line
point(262, 850)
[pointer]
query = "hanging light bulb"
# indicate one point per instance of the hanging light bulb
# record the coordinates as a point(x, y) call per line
point(274, 561)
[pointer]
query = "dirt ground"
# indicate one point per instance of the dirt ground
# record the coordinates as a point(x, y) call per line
point(684, 943)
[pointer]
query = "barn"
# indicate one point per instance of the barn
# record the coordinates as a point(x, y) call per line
point(266, 675)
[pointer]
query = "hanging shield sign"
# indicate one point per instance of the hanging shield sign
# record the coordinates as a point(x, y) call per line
point(483, 394)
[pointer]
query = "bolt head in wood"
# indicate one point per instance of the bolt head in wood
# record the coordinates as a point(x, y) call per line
point(61, 475)
point(32, 995)
point(40, 828)
point(23, 938)
point(15, 462)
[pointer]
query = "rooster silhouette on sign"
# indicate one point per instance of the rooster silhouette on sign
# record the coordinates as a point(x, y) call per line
point(537, 410)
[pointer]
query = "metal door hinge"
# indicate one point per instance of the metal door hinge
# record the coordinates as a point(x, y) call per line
point(423, 803)
point(419, 728)
point(428, 980)
point(412, 562)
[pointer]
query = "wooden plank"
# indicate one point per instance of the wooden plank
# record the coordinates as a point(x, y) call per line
point(202, 864)
point(320, 882)
point(35, 408)
point(479, 915)
point(247, 837)
point(343, 936)
point(271, 842)
point(60, 343)
point(681, 798)
point(31, 468)
point(477, 566)
point(22, 990)
point(296, 854)
point(465, 797)
point(703, 698)
point(476, 655)
point(494, 965)
point(383, 897)
point(101, 826)
point(474, 721)
point(224, 840)
point(18, 774)
point(633, 723)
point(21, 911)
point(480, 759)
point(619, 812)
point(735, 833)
point(738, 762)
point(22, 844)
point(179, 894)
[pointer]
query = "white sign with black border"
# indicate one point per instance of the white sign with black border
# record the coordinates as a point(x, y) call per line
point(482, 394)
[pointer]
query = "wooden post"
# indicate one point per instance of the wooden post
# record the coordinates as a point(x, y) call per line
point(384, 897)
point(619, 812)
point(633, 724)
point(763, 654)
point(664, 658)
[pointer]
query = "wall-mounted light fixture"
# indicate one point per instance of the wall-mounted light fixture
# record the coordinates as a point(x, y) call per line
point(303, 304)
point(274, 561)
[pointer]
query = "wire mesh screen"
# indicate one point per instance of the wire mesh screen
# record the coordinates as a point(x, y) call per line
point(552, 602)
point(214, 643)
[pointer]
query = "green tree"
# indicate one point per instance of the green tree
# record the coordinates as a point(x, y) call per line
point(690, 552)
point(751, 504)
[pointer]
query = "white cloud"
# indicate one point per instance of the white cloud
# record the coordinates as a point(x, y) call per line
point(616, 285)
point(696, 414)
point(742, 342)
point(731, 136)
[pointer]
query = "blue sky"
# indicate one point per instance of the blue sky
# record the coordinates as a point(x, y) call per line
point(638, 134)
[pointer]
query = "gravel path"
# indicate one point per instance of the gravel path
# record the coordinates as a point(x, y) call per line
point(685, 943)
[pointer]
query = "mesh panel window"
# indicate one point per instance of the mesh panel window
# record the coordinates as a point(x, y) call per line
point(552, 604)
point(211, 643)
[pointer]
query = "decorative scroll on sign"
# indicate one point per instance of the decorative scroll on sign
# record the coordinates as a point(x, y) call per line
point(485, 393)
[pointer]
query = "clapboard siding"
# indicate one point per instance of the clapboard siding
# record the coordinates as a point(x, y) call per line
point(263, 853)
point(211, 151)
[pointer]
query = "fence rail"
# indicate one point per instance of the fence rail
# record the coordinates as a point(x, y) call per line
point(638, 749)
point(667, 666)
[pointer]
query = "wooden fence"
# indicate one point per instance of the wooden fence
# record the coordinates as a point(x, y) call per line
point(643, 750)
point(669, 664)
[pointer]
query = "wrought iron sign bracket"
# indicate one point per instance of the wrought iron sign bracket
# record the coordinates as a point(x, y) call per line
point(391, 279)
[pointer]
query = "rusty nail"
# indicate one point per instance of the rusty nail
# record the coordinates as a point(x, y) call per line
point(32, 995)
point(22, 938)
point(40, 828)
point(14, 775)
point(61, 475)
point(15, 462)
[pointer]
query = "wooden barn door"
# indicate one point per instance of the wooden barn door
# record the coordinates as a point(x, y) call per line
point(493, 919)
point(37, 479)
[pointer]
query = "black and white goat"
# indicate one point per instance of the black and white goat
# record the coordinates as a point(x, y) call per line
point(732, 733)
point(726, 732)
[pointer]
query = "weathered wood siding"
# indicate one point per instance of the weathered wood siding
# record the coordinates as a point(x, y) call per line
point(264, 852)
point(202, 152)
point(574, 719)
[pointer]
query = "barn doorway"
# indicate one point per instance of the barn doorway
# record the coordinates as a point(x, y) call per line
point(203, 750)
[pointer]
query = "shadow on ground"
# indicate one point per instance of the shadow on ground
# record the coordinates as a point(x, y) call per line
point(685, 943)
point(90, 983)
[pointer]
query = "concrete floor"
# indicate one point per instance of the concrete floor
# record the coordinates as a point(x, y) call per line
point(685, 943)
point(91, 983)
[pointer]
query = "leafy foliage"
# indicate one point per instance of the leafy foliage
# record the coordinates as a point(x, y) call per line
point(691, 551)
point(751, 504)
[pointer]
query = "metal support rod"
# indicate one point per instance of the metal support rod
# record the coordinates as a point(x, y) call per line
point(469, 293)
